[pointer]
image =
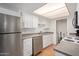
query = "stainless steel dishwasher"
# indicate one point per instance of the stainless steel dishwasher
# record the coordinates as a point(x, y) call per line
point(37, 45)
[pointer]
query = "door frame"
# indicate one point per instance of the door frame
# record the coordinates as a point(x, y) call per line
point(56, 29)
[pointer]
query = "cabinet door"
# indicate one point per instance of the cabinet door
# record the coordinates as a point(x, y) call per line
point(30, 21)
point(27, 47)
point(44, 41)
point(51, 38)
point(35, 22)
point(25, 20)
point(47, 40)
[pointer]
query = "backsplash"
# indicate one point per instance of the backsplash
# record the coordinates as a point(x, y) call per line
point(28, 30)
point(35, 30)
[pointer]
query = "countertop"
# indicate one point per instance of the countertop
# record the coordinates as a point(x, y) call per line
point(68, 48)
point(30, 35)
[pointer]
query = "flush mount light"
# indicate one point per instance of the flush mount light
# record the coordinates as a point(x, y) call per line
point(53, 10)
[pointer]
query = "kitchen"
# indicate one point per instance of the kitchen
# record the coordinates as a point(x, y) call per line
point(38, 25)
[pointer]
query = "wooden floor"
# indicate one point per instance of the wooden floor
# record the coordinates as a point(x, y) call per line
point(47, 51)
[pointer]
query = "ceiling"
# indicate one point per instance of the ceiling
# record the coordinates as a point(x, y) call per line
point(27, 7)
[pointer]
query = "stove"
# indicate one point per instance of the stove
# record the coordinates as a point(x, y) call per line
point(71, 39)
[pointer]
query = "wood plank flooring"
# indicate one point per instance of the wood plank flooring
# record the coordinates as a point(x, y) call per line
point(47, 51)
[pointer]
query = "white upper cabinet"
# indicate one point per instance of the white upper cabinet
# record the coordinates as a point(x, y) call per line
point(29, 21)
point(35, 21)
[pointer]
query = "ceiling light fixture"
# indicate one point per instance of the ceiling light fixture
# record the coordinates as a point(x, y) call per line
point(53, 10)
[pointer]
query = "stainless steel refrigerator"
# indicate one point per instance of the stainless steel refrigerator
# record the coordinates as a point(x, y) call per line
point(10, 36)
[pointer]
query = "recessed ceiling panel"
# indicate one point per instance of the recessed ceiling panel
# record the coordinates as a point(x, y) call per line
point(53, 10)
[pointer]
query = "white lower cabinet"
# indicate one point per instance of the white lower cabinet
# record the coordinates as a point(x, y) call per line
point(27, 47)
point(47, 40)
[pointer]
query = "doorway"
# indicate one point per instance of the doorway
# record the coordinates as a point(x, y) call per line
point(61, 29)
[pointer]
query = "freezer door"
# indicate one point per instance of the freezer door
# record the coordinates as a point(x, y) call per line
point(10, 45)
point(9, 23)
